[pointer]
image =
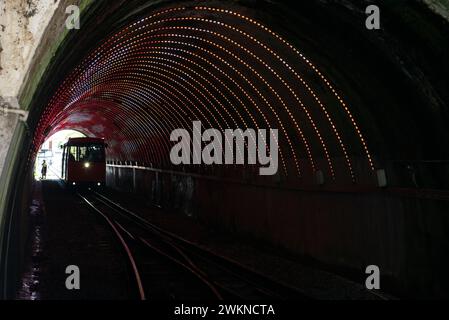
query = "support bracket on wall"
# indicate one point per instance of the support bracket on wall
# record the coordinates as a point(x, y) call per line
point(11, 105)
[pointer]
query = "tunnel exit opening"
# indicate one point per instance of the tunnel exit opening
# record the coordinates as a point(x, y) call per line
point(48, 164)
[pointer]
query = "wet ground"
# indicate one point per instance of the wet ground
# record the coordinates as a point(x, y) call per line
point(64, 232)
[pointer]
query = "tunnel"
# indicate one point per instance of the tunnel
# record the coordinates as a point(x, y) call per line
point(358, 117)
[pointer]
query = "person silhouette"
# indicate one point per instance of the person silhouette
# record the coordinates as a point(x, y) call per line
point(44, 170)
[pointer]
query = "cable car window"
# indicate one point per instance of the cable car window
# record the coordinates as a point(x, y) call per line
point(73, 154)
point(92, 153)
point(83, 154)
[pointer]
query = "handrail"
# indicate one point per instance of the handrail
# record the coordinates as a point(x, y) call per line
point(431, 194)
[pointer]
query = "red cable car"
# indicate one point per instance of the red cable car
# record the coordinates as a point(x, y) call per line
point(84, 162)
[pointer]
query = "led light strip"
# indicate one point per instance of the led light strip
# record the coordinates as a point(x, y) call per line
point(164, 76)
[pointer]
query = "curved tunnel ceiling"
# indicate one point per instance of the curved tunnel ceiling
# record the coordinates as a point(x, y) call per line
point(223, 67)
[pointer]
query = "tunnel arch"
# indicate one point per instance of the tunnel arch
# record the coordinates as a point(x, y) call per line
point(216, 60)
point(123, 60)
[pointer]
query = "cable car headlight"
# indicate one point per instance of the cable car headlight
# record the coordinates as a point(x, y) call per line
point(86, 165)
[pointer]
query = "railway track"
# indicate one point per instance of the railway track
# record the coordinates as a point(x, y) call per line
point(166, 266)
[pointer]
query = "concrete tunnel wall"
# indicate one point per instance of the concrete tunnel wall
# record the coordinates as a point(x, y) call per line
point(343, 224)
point(30, 34)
